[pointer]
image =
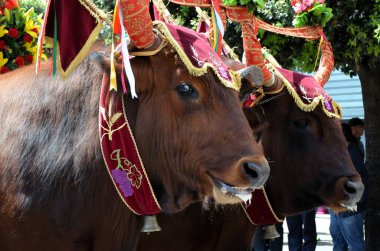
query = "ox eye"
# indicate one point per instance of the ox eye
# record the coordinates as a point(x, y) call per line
point(302, 123)
point(186, 90)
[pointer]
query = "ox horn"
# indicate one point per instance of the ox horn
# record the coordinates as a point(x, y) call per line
point(253, 74)
point(138, 23)
point(326, 64)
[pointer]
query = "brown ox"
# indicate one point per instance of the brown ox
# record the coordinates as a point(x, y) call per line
point(310, 167)
point(55, 192)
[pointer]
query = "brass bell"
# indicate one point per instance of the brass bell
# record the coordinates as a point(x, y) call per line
point(150, 224)
point(270, 232)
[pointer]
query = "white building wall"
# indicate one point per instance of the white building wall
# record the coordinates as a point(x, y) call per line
point(347, 92)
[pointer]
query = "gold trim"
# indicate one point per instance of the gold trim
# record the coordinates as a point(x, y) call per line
point(138, 154)
point(269, 205)
point(80, 56)
point(245, 211)
point(142, 165)
point(93, 9)
point(235, 82)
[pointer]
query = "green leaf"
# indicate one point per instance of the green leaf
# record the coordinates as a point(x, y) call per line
point(230, 2)
point(244, 2)
point(317, 10)
point(261, 3)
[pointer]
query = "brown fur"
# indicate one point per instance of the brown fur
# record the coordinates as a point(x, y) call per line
point(55, 193)
point(308, 168)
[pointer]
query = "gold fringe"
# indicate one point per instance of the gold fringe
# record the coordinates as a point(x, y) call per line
point(235, 82)
point(316, 101)
point(81, 55)
point(138, 154)
point(93, 9)
point(304, 107)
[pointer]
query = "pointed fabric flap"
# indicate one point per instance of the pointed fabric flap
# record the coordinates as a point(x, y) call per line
point(77, 28)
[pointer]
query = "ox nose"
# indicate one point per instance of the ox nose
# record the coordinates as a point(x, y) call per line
point(354, 191)
point(257, 173)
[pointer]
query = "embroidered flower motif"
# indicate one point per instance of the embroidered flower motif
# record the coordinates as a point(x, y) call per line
point(120, 177)
point(223, 73)
point(328, 104)
point(134, 176)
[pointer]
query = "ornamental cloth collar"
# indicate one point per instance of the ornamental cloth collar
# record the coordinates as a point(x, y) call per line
point(196, 53)
point(122, 158)
point(307, 93)
point(260, 211)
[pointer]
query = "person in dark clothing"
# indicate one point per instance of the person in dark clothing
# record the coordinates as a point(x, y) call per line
point(346, 228)
point(302, 231)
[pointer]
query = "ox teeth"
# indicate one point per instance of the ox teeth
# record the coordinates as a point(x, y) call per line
point(351, 208)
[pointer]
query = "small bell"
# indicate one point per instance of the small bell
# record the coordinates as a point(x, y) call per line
point(150, 224)
point(270, 232)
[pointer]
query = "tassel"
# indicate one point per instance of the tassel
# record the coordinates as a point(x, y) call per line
point(116, 28)
point(113, 82)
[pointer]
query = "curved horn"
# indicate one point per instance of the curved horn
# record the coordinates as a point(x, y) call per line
point(326, 64)
point(137, 21)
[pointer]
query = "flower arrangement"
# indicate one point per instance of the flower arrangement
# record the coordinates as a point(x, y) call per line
point(311, 13)
point(18, 35)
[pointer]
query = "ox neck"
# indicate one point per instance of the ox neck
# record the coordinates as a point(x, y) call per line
point(121, 155)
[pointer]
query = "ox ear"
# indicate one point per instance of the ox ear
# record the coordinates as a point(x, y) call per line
point(101, 61)
point(251, 78)
point(105, 64)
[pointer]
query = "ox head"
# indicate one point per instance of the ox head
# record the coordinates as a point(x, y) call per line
point(188, 130)
point(310, 164)
point(307, 151)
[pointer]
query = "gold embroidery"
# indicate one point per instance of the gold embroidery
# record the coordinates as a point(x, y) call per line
point(133, 174)
point(110, 123)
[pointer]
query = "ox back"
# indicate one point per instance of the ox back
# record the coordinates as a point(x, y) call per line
point(310, 166)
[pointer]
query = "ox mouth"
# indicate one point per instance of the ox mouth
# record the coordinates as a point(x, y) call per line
point(229, 194)
point(349, 207)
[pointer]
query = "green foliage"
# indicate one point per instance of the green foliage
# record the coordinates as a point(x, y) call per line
point(252, 5)
point(353, 32)
point(108, 7)
point(375, 17)
point(38, 5)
